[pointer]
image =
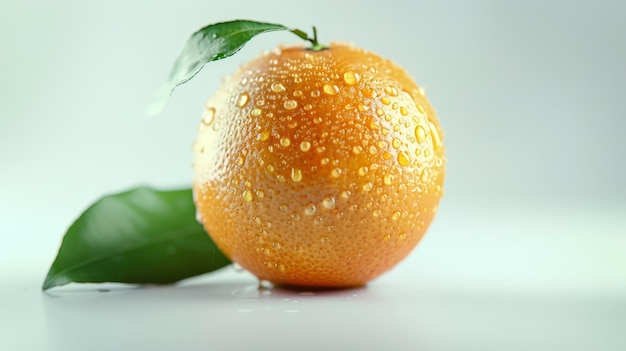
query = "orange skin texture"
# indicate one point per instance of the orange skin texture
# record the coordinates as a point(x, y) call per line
point(318, 168)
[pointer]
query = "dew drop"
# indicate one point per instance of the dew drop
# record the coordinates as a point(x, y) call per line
point(277, 87)
point(395, 216)
point(424, 176)
point(357, 150)
point(305, 146)
point(264, 135)
point(318, 220)
point(244, 81)
point(283, 207)
point(363, 171)
point(315, 93)
point(388, 179)
point(367, 186)
point(297, 93)
point(336, 172)
point(247, 195)
point(260, 194)
point(373, 150)
point(317, 120)
point(330, 89)
point(385, 100)
point(280, 178)
point(435, 136)
point(396, 143)
point(243, 99)
point(324, 161)
point(380, 112)
point(310, 210)
point(351, 77)
point(308, 107)
point(296, 175)
point(329, 202)
point(285, 142)
point(404, 111)
point(345, 194)
point(270, 168)
point(391, 90)
point(403, 158)
point(208, 116)
point(256, 112)
point(420, 134)
point(290, 104)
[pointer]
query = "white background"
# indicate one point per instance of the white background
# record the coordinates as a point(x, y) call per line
point(530, 95)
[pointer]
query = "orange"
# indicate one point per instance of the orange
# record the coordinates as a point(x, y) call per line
point(318, 168)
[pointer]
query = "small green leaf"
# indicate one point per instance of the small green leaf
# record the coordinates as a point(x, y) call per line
point(142, 236)
point(211, 43)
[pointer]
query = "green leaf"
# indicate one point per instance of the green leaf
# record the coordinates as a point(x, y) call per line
point(142, 236)
point(211, 43)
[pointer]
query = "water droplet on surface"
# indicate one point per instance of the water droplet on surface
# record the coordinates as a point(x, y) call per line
point(208, 116)
point(404, 111)
point(244, 81)
point(310, 210)
point(336, 172)
point(395, 216)
point(363, 171)
point(317, 120)
point(318, 220)
point(329, 202)
point(297, 93)
point(247, 195)
point(435, 135)
point(285, 142)
point(290, 104)
point(315, 93)
point(277, 87)
point(373, 150)
point(379, 112)
point(260, 194)
point(296, 175)
point(280, 178)
point(420, 134)
point(324, 161)
point(308, 107)
point(305, 146)
point(256, 112)
point(345, 194)
point(351, 77)
point(388, 179)
point(396, 143)
point(330, 89)
point(391, 91)
point(403, 158)
point(424, 176)
point(385, 100)
point(357, 150)
point(264, 135)
point(243, 99)
point(367, 186)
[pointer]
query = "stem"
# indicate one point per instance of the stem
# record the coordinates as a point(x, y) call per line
point(315, 45)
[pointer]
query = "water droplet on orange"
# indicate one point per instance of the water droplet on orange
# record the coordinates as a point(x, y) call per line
point(330, 89)
point(329, 202)
point(420, 134)
point(247, 195)
point(396, 143)
point(208, 116)
point(243, 99)
point(285, 142)
point(403, 158)
point(351, 77)
point(296, 175)
point(278, 88)
point(310, 210)
point(290, 104)
point(305, 146)
point(256, 112)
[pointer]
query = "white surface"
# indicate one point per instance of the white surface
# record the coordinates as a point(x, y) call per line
point(527, 252)
point(483, 280)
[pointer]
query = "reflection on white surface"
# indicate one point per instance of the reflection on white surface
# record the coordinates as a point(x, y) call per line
point(481, 280)
point(228, 311)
